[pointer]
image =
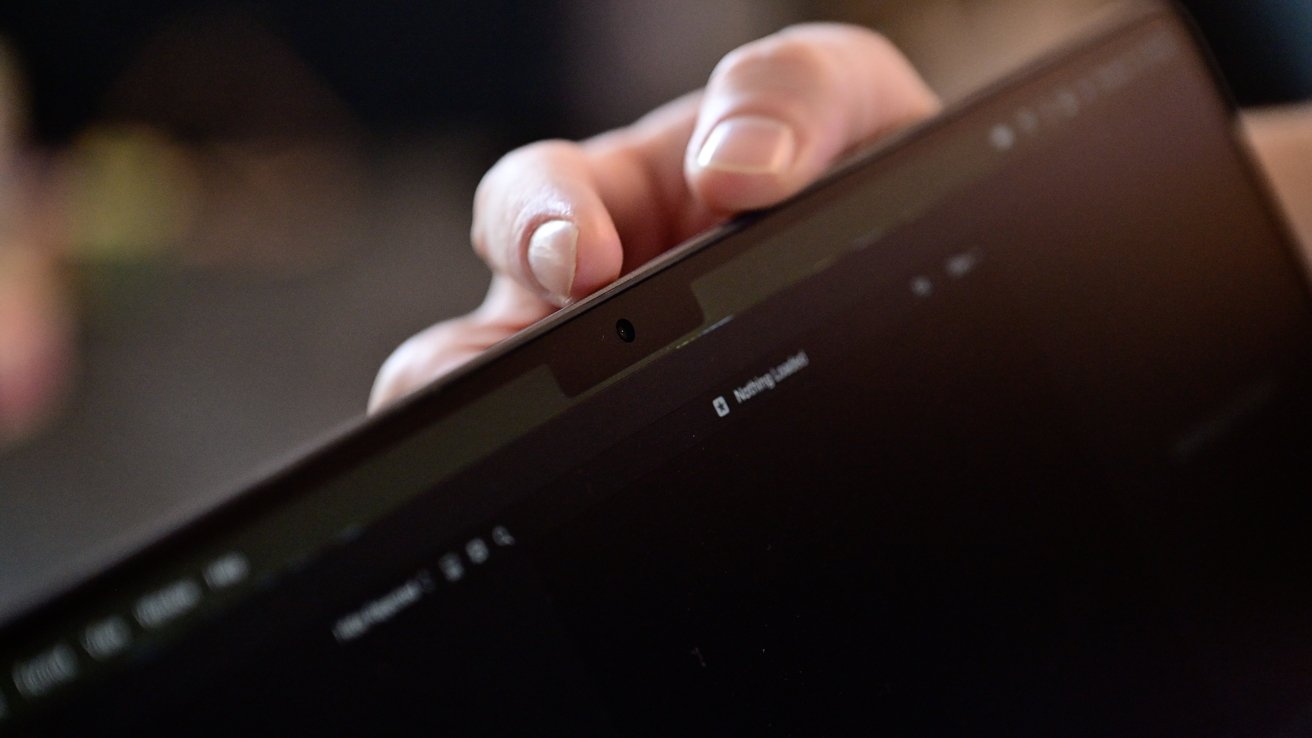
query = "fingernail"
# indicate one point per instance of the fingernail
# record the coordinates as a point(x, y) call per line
point(748, 144)
point(551, 256)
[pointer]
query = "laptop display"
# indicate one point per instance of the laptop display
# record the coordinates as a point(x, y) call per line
point(1001, 430)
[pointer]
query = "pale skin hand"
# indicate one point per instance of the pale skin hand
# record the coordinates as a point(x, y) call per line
point(558, 220)
point(773, 116)
point(1281, 139)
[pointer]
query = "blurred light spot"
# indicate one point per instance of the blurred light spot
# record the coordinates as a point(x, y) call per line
point(1002, 137)
point(130, 193)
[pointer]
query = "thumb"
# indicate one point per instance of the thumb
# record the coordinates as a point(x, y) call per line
point(779, 111)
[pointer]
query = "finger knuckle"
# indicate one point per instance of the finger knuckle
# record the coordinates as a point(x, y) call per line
point(478, 239)
point(420, 359)
point(502, 179)
point(784, 61)
point(820, 61)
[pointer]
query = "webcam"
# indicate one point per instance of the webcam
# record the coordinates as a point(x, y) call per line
point(625, 330)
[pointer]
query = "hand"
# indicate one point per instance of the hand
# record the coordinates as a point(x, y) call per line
point(36, 328)
point(558, 220)
point(1281, 137)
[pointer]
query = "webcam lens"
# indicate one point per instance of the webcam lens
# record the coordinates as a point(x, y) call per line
point(625, 330)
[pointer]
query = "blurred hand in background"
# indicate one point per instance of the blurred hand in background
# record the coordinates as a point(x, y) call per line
point(36, 329)
point(87, 223)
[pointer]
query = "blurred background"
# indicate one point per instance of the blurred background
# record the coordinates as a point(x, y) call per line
point(217, 218)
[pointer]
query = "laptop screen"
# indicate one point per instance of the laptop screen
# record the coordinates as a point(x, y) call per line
point(1001, 431)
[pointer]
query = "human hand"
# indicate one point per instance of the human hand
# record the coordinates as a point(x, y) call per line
point(1281, 138)
point(558, 220)
point(36, 329)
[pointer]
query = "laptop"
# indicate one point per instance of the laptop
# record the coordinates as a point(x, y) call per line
point(1002, 429)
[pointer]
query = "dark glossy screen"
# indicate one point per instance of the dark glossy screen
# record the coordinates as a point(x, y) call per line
point(1032, 459)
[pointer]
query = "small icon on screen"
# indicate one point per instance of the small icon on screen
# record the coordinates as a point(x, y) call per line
point(226, 571)
point(960, 265)
point(106, 638)
point(1003, 137)
point(721, 406)
point(477, 551)
point(452, 568)
point(502, 537)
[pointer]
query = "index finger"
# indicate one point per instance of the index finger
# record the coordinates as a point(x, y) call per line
point(566, 219)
